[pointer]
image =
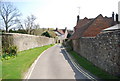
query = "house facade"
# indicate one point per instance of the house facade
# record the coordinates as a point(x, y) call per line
point(61, 34)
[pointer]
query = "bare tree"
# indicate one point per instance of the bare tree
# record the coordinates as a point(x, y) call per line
point(9, 14)
point(37, 26)
point(30, 24)
point(20, 25)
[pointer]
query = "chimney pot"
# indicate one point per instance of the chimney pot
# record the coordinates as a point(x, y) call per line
point(78, 18)
point(56, 29)
point(113, 22)
point(116, 18)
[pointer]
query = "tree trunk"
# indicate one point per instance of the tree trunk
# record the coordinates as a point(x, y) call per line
point(6, 29)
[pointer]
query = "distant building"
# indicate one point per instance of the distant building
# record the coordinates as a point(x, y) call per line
point(61, 34)
point(117, 26)
point(92, 27)
point(113, 28)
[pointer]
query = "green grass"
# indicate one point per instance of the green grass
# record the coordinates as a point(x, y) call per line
point(16, 67)
point(0, 69)
point(90, 67)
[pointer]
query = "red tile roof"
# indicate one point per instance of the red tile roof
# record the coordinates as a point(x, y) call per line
point(91, 27)
point(61, 31)
point(81, 23)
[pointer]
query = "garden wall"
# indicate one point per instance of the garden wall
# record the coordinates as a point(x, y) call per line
point(102, 50)
point(0, 43)
point(25, 41)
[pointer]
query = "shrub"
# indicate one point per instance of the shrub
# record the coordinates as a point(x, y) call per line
point(47, 34)
point(52, 34)
point(68, 45)
point(18, 31)
point(13, 50)
point(9, 52)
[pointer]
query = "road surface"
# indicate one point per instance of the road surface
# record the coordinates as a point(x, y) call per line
point(54, 64)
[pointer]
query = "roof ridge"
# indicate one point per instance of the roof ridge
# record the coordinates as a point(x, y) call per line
point(84, 27)
point(100, 15)
point(85, 18)
point(88, 22)
point(93, 23)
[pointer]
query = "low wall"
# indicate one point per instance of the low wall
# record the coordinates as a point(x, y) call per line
point(25, 41)
point(0, 43)
point(103, 51)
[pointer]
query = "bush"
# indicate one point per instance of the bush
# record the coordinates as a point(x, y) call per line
point(52, 34)
point(9, 52)
point(18, 31)
point(47, 34)
point(68, 45)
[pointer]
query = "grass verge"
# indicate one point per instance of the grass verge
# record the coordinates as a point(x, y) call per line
point(91, 68)
point(15, 68)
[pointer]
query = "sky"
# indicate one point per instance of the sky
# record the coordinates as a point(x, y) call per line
point(63, 13)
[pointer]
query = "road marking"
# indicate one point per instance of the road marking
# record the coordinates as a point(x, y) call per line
point(79, 69)
point(33, 66)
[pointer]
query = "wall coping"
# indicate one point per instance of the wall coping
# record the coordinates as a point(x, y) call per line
point(19, 34)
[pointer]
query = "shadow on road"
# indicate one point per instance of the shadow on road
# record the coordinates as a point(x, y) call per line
point(78, 76)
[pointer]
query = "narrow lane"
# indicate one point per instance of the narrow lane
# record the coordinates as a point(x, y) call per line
point(55, 64)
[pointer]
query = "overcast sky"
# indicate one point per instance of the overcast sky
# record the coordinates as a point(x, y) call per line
point(62, 13)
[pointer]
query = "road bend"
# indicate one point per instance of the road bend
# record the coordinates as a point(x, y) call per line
point(55, 64)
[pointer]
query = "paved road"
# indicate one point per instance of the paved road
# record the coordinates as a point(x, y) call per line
point(55, 64)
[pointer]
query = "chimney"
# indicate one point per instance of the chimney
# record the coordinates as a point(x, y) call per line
point(65, 28)
point(113, 22)
point(56, 29)
point(113, 16)
point(117, 18)
point(78, 18)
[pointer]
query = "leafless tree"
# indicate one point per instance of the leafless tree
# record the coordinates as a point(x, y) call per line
point(30, 24)
point(9, 14)
point(20, 25)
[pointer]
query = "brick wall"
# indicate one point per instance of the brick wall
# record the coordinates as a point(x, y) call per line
point(25, 41)
point(103, 50)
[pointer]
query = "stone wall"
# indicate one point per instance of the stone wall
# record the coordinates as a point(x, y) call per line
point(0, 43)
point(25, 41)
point(102, 50)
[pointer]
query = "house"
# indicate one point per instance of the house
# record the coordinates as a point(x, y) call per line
point(97, 40)
point(111, 29)
point(61, 34)
point(92, 27)
point(70, 32)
